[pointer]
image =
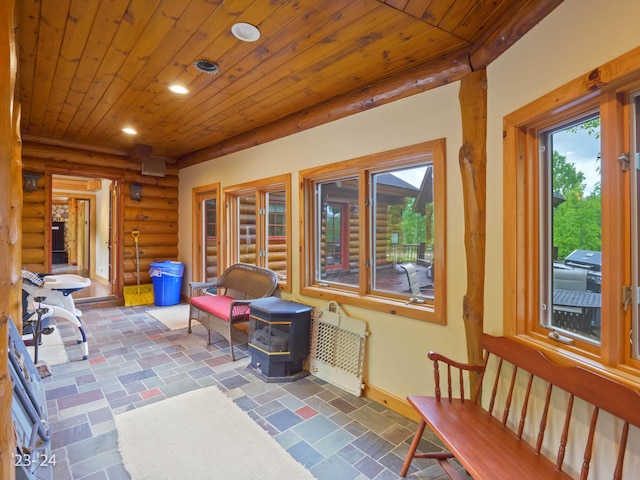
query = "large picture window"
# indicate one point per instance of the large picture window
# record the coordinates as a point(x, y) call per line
point(376, 226)
point(571, 222)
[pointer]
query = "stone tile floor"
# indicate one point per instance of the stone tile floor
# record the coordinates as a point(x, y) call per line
point(135, 360)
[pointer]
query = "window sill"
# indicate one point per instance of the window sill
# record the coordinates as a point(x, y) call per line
point(624, 374)
point(419, 311)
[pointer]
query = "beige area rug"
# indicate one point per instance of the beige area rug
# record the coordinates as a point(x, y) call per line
point(52, 351)
point(174, 317)
point(201, 434)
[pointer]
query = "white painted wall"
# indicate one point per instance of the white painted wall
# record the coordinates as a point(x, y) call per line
point(578, 36)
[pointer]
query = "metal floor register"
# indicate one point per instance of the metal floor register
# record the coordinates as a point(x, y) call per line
point(338, 348)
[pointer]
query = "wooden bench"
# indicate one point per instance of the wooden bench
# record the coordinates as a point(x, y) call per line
point(221, 304)
point(527, 395)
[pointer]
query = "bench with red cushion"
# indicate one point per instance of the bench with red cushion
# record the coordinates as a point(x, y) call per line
point(220, 304)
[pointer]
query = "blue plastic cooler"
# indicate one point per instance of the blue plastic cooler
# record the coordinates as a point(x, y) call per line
point(167, 282)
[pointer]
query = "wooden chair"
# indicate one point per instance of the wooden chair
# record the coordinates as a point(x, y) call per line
point(221, 304)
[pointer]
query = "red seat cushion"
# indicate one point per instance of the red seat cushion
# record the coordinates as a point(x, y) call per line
point(218, 305)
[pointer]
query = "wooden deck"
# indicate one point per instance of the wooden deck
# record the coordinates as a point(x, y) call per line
point(388, 279)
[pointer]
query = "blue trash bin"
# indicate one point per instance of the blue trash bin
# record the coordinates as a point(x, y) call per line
point(167, 282)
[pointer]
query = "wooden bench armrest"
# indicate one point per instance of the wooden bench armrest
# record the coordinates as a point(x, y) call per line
point(452, 364)
point(471, 367)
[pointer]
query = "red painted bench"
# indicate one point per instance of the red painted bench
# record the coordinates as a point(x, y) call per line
point(221, 304)
point(502, 436)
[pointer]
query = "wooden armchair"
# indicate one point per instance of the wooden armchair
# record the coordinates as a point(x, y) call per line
point(221, 304)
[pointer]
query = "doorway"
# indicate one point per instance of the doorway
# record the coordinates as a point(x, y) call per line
point(83, 233)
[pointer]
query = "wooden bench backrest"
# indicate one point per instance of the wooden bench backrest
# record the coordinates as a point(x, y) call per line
point(601, 392)
point(605, 393)
point(244, 281)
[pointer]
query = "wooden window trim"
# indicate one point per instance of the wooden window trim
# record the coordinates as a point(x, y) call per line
point(433, 312)
point(258, 188)
point(198, 195)
point(602, 87)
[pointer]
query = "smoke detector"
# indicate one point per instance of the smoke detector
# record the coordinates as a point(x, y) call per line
point(245, 32)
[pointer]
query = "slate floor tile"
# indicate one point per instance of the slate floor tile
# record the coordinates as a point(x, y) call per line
point(134, 361)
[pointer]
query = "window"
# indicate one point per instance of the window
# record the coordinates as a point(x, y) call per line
point(247, 241)
point(206, 214)
point(571, 222)
point(631, 297)
point(374, 231)
point(277, 215)
point(571, 229)
point(259, 222)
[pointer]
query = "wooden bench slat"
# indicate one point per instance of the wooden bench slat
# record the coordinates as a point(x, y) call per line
point(583, 383)
point(482, 451)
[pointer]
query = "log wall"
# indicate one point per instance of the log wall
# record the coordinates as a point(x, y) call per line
point(155, 216)
point(10, 198)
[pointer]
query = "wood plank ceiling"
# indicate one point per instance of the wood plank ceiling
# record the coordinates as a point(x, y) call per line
point(88, 68)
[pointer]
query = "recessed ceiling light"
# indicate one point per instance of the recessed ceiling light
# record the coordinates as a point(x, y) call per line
point(129, 131)
point(245, 32)
point(178, 89)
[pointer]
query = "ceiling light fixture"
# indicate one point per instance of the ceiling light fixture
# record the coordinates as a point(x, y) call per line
point(178, 89)
point(129, 131)
point(205, 66)
point(245, 32)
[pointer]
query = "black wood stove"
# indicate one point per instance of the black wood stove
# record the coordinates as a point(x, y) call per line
point(279, 334)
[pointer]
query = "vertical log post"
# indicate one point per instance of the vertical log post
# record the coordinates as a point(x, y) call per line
point(9, 227)
point(15, 224)
point(473, 162)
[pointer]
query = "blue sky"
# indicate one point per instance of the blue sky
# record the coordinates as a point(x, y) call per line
point(582, 150)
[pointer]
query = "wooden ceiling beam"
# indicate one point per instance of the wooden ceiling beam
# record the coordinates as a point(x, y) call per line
point(523, 17)
point(34, 139)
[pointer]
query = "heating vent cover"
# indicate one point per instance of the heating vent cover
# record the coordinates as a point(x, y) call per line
point(337, 348)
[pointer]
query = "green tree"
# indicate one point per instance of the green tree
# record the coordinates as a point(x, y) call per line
point(413, 224)
point(577, 220)
point(566, 179)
